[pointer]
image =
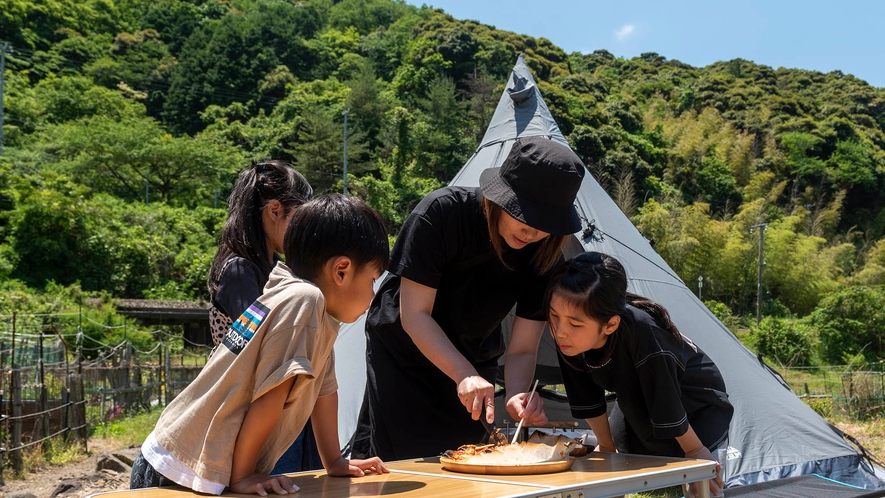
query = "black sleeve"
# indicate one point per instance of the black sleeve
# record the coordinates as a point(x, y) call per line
point(530, 304)
point(585, 398)
point(238, 287)
point(660, 371)
point(422, 246)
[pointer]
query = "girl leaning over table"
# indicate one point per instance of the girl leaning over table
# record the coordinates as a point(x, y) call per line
point(671, 396)
point(463, 259)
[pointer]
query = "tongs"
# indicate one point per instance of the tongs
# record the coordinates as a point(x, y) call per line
point(495, 436)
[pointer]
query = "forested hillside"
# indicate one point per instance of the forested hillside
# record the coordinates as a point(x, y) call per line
point(126, 122)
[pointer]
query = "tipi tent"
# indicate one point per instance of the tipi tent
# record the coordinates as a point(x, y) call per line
point(773, 434)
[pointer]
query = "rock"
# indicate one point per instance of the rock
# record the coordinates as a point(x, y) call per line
point(20, 494)
point(94, 476)
point(111, 462)
point(68, 486)
point(128, 455)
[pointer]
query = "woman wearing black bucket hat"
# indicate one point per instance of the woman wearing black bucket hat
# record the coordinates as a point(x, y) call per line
point(464, 258)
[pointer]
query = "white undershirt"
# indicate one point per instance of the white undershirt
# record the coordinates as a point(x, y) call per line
point(165, 463)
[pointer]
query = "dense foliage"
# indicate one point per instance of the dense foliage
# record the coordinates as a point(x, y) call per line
point(126, 122)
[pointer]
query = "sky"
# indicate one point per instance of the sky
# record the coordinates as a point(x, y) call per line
point(815, 35)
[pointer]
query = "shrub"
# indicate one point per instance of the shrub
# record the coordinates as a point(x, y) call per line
point(723, 313)
point(823, 405)
point(851, 321)
point(783, 339)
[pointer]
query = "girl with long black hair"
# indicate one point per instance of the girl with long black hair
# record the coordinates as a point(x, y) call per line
point(671, 396)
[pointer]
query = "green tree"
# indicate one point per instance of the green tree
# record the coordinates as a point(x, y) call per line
point(134, 158)
point(223, 61)
point(782, 339)
point(851, 321)
point(367, 15)
point(851, 164)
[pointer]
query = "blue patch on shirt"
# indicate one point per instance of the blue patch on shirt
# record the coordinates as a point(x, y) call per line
point(242, 330)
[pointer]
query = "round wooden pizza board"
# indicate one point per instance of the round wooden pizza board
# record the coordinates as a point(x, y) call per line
point(532, 468)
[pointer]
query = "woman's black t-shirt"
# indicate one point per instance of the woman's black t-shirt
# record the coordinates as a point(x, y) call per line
point(663, 383)
point(445, 244)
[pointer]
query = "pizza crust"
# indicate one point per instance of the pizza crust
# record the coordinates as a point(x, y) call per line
point(540, 448)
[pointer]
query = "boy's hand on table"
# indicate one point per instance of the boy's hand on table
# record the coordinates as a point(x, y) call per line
point(260, 484)
point(356, 468)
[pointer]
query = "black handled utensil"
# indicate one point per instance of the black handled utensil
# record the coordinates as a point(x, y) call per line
point(495, 436)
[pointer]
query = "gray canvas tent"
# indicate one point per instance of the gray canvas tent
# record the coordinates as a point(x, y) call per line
point(773, 435)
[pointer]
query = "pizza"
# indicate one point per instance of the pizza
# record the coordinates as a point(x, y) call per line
point(540, 448)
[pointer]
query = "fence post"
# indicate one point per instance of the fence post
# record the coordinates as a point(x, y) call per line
point(2, 406)
point(78, 408)
point(6, 429)
point(125, 399)
point(66, 411)
point(161, 386)
point(168, 381)
point(16, 454)
point(138, 396)
point(44, 398)
point(102, 389)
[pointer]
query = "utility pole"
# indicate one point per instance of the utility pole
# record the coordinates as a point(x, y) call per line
point(2, 77)
point(346, 111)
point(762, 228)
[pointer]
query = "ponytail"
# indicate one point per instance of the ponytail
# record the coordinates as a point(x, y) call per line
point(243, 233)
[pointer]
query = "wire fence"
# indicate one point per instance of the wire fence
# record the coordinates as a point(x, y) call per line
point(57, 381)
point(857, 393)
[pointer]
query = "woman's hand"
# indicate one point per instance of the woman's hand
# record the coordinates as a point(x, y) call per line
point(343, 467)
point(476, 392)
point(716, 484)
point(260, 484)
point(519, 408)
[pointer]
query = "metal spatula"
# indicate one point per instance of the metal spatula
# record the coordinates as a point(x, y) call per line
point(495, 436)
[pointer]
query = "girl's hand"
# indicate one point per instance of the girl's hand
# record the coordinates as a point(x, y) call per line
point(260, 484)
point(476, 392)
point(356, 468)
point(533, 413)
point(716, 484)
point(606, 449)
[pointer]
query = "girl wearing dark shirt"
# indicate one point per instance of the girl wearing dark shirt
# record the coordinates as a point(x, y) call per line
point(463, 259)
point(259, 209)
point(671, 396)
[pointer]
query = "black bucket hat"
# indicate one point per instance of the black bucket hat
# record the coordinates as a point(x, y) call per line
point(537, 185)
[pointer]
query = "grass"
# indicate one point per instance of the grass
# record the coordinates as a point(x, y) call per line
point(120, 433)
point(127, 431)
point(34, 458)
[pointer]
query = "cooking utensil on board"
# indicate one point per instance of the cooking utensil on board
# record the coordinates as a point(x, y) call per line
point(495, 436)
point(518, 427)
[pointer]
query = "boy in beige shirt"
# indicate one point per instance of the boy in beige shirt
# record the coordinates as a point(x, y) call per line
point(275, 367)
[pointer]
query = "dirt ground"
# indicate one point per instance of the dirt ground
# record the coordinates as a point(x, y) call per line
point(78, 479)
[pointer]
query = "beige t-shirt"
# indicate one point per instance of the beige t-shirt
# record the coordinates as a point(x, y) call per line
point(285, 333)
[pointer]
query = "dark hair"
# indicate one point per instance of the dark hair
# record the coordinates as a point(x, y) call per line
point(335, 225)
point(596, 284)
point(546, 257)
point(243, 233)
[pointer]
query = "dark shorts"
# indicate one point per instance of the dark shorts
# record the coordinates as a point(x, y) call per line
point(145, 476)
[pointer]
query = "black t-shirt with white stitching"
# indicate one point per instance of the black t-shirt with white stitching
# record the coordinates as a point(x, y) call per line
point(445, 244)
point(663, 383)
